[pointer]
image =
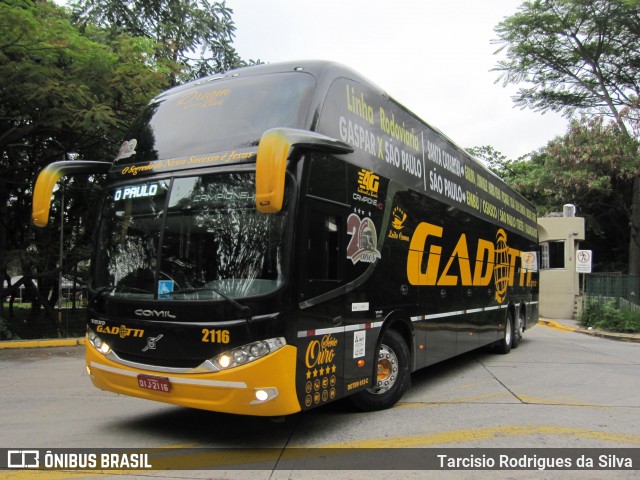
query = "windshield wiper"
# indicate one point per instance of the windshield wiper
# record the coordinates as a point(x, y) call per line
point(243, 309)
point(101, 291)
point(121, 288)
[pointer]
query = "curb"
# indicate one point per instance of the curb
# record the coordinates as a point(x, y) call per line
point(622, 337)
point(61, 342)
point(556, 325)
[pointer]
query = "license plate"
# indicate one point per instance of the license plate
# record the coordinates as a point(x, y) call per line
point(150, 382)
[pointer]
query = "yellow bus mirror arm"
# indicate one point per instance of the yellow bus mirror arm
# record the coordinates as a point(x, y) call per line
point(274, 150)
point(50, 175)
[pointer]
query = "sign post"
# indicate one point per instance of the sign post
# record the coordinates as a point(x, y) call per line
point(583, 264)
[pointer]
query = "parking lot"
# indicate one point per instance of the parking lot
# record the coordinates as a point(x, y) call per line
point(557, 390)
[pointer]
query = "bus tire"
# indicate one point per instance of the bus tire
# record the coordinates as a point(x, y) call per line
point(518, 330)
point(393, 376)
point(505, 344)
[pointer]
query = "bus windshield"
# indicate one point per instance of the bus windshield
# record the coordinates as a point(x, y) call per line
point(217, 115)
point(193, 238)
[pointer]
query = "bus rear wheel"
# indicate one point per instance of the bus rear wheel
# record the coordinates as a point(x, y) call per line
point(392, 375)
point(504, 345)
point(518, 331)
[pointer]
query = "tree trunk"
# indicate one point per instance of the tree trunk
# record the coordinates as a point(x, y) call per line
point(634, 224)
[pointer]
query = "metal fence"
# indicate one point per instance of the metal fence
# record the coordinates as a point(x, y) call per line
point(29, 309)
point(613, 286)
point(611, 301)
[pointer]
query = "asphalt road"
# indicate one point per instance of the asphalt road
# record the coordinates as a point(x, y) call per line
point(557, 390)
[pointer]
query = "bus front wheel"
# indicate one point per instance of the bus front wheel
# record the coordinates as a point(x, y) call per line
point(392, 375)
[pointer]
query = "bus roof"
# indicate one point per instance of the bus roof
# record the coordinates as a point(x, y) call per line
point(341, 104)
point(325, 72)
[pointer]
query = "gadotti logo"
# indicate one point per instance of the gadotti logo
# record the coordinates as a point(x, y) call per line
point(123, 331)
point(492, 259)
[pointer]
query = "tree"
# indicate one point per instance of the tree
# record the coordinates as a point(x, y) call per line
point(195, 35)
point(62, 91)
point(580, 55)
point(575, 54)
point(592, 166)
point(489, 155)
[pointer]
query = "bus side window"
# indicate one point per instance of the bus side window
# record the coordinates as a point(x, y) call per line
point(323, 247)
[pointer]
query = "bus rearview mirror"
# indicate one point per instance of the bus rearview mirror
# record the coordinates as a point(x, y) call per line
point(274, 150)
point(50, 175)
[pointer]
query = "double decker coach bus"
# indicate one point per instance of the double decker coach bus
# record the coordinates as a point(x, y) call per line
point(282, 236)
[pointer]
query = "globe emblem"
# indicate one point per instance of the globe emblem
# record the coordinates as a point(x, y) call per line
point(501, 267)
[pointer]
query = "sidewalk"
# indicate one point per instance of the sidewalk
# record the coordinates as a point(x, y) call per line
point(574, 326)
point(52, 342)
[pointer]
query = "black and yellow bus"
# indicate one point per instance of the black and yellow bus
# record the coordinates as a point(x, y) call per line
point(282, 236)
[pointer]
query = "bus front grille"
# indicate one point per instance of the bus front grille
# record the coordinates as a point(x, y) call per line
point(160, 362)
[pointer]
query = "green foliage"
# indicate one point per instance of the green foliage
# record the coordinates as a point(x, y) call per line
point(76, 87)
point(193, 36)
point(604, 314)
point(592, 166)
point(574, 54)
point(488, 154)
point(58, 80)
point(511, 171)
point(593, 158)
point(62, 91)
point(583, 55)
point(5, 331)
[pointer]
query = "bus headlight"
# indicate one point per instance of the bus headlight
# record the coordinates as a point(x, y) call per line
point(97, 342)
point(247, 353)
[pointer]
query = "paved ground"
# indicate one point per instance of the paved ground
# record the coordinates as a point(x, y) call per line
point(561, 389)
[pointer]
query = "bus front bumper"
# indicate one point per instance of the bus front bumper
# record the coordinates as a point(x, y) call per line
point(265, 387)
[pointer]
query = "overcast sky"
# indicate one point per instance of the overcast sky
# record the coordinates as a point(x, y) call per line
point(433, 56)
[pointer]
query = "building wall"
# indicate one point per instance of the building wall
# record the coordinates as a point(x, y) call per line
point(560, 286)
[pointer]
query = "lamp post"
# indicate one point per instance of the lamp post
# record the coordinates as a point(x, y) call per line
point(61, 260)
point(63, 184)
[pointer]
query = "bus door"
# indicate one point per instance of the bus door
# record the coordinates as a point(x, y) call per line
point(338, 328)
point(321, 336)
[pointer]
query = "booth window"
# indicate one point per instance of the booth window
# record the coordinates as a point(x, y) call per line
point(552, 255)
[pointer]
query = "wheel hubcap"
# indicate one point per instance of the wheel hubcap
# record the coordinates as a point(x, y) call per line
point(507, 333)
point(387, 372)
